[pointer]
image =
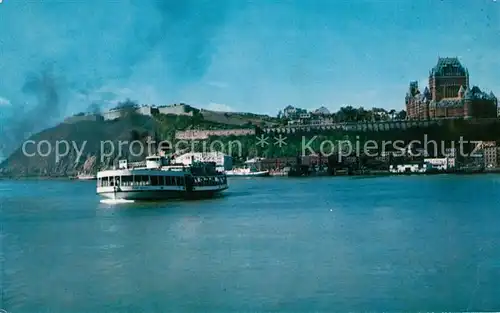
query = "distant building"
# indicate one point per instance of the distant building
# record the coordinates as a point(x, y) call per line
point(406, 168)
point(291, 112)
point(112, 114)
point(119, 111)
point(440, 163)
point(322, 121)
point(449, 95)
point(222, 161)
point(321, 111)
point(490, 155)
point(84, 117)
point(304, 115)
point(486, 144)
point(176, 109)
point(147, 110)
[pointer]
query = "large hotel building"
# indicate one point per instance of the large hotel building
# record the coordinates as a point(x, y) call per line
point(449, 95)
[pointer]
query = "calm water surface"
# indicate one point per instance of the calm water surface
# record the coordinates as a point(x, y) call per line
point(320, 244)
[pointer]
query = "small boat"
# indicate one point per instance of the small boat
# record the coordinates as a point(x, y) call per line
point(247, 172)
point(83, 176)
point(158, 179)
point(252, 168)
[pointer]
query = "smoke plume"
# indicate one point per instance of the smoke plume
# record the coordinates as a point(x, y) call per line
point(43, 88)
point(155, 47)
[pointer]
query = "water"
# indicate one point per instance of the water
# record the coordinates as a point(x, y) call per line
point(320, 244)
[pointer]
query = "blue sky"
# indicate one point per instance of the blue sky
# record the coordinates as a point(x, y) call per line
point(241, 55)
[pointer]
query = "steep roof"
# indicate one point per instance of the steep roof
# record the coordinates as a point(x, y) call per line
point(445, 64)
point(427, 93)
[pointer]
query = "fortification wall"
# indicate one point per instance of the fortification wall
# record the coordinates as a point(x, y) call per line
point(204, 134)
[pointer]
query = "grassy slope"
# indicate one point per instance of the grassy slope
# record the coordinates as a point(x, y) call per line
point(137, 127)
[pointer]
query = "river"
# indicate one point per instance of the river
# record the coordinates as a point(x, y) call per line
point(311, 244)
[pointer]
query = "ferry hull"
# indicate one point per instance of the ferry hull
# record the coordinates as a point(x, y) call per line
point(152, 195)
point(248, 174)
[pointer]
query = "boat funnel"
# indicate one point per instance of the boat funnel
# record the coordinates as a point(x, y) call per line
point(153, 162)
point(122, 164)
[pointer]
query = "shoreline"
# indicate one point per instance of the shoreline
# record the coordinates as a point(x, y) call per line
point(284, 175)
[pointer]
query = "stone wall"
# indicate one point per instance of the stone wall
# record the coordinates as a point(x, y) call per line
point(204, 134)
point(82, 118)
point(360, 127)
point(176, 109)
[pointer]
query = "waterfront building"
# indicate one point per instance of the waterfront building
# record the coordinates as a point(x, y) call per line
point(406, 168)
point(491, 157)
point(449, 95)
point(440, 163)
point(490, 153)
point(277, 163)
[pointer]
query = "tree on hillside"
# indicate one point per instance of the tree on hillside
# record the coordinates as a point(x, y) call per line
point(392, 113)
point(401, 115)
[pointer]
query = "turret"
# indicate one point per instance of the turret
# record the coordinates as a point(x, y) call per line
point(154, 162)
point(427, 94)
point(468, 96)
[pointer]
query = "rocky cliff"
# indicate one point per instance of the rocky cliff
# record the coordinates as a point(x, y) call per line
point(87, 146)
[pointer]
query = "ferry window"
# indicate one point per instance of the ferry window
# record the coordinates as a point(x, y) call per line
point(126, 180)
point(155, 180)
point(181, 181)
point(141, 180)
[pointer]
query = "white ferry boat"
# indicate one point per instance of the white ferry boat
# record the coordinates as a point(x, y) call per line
point(247, 172)
point(158, 179)
point(83, 176)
